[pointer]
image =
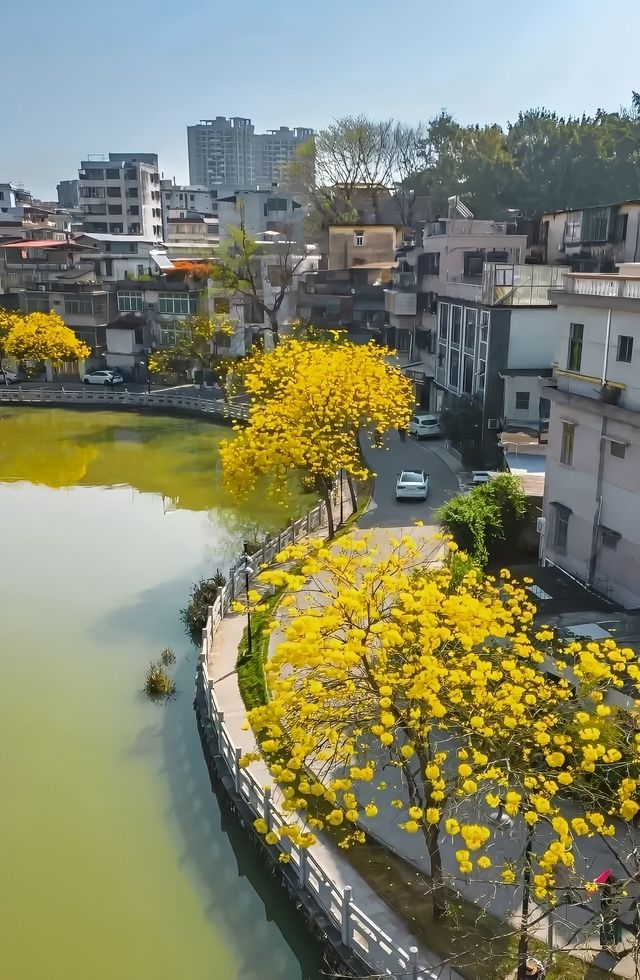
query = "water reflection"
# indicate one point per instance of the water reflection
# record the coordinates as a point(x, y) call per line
point(176, 458)
point(112, 847)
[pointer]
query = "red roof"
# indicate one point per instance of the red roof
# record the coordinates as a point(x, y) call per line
point(40, 243)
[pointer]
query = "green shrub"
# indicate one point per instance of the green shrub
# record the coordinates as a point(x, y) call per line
point(167, 657)
point(489, 521)
point(203, 594)
point(158, 684)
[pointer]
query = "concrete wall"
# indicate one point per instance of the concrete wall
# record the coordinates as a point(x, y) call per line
point(613, 504)
point(533, 339)
point(379, 245)
point(534, 388)
point(594, 320)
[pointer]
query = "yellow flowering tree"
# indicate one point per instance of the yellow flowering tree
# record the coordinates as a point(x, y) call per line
point(308, 401)
point(43, 337)
point(439, 676)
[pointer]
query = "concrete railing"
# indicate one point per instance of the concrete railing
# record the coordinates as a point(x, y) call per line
point(358, 932)
point(596, 284)
point(163, 401)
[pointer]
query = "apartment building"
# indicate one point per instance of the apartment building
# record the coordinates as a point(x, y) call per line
point(270, 210)
point(449, 260)
point(229, 152)
point(120, 195)
point(591, 504)
point(351, 292)
point(68, 193)
point(595, 239)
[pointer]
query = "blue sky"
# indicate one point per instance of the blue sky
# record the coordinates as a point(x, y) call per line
point(79, 77)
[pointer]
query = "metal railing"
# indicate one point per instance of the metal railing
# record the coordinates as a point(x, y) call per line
point(358, 932)
point(126, 399)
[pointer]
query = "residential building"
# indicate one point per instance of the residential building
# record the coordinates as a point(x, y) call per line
point(591, 504)
point(448, 261)
point(230, 152)
point(28, 263)
point(594, 239)
point(351, 292)
point(498, 345)
point(178, 199)
point(261, 210)
point(191, 227)
point(12, 200)
point(68, 192)
point(116, 257)
point(120, 195)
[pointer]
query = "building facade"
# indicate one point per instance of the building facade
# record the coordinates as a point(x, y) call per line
point(591, 506)
point(229, 152)
point(595, 239)
point(120, 195)
point(68, 193)
point(259, 211)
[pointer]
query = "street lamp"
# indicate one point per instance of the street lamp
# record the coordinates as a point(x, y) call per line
point(147, 351)
point(501, 819)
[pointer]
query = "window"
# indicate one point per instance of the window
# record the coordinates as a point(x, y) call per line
point(133, 209)
point(573, 228)
point(454, 369)
point(568, 439)
point(113, 174)
point(79, 307)
point(625, 349)
point(574, 359)
point(444, 320)
point(469, 330)
point(178, 304)
point(595, 225)
point(618, 449)
point(522, 401)
point(429, 264)
point(561, 533)
point(504, 276)
point(113, 192)
point(221, 304)
point(115, 209)
point(37, 304)
point(132, 192)
point(172, 333)
point(358, 238)
point(609, 538)
point(1, 195)
point(456, 323)
point(130, 302)
point(620, 228)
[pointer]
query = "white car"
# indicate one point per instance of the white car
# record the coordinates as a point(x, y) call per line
point(103, 378)
point(412, 485)
point(425, 426)
point(8, 377)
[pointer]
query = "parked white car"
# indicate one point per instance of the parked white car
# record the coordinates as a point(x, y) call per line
point(8, 378)
point(412, 485)
point(425, 426)
point(103, 378)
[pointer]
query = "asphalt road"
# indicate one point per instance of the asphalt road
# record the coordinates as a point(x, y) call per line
point(385, 510)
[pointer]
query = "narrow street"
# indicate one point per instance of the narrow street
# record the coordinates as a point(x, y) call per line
point(387, 462)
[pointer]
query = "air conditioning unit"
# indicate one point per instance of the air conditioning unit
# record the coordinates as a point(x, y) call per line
point(493, 423)
point(541, 524)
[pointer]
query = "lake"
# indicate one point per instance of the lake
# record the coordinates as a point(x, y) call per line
point(116, 861)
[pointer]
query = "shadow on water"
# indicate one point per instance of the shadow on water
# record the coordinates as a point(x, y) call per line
point(210, 845)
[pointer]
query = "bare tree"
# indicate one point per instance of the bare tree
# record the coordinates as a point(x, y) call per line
point(238, 270)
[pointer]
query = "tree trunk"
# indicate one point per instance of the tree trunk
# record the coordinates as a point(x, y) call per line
point(352, 493)
point(273, 320)
point(324, 489)
point(435, 860)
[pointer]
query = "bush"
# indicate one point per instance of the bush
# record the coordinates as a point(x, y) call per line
point(203, 594)
point(158, 684)
point(489, 522)
point(167, 657)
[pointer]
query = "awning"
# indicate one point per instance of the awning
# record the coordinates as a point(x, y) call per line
point(162, 260)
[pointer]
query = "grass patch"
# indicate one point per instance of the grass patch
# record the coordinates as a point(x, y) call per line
point(250, 669)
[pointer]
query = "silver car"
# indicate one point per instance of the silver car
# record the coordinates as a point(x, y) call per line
point(425, 427)
point(103, 378)
point(412, 485)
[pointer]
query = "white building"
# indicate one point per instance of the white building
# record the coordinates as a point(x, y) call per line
point(120, 195)
point(592, 495)
point(178, 199)
point(117, 257)
point(261, 210)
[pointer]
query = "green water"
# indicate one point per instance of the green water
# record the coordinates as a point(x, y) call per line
point(114, 861)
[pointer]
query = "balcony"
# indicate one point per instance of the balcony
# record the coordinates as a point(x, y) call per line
point(400, 303)
point(506, 284)
point(593, 284)
point(462, 289)
point(405, 280)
